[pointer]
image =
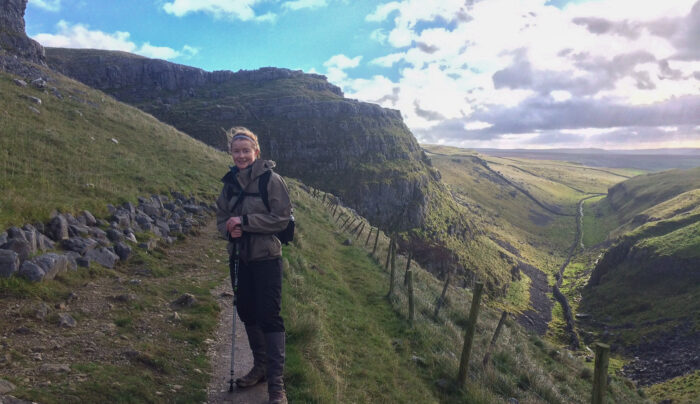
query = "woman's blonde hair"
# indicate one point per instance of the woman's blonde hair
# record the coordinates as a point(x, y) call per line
point(239, 132)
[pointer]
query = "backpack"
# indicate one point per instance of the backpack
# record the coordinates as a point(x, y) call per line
point(286, 235)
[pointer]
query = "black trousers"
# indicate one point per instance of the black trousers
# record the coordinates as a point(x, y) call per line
point(260, 293)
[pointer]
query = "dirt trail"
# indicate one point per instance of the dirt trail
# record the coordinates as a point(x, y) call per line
point(220, 354)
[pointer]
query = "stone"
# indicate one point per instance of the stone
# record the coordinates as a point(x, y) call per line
point(66, 320)
point(122, 218)
point(31, 272)
point(36, 111)
point(150, 210)
point(35, 100)
point(82, 262)
point(16, 233)
point(191, 208)
point(103, 256)
point(97, 233)
point(58, 228)
point(114, 235)
point(20, 83)
point(347, 242)
point(52, 264)
point(9, 263)
point(6, 387)
point(44, 243)
point(130, 297)
point(131, 237)
point(79, 244)
point(39, 83)
point(3, 238)
point(78, 230)
point(71, 258)
point(41, 311)
point(55, 368)
point(89, 218)
point(186, 300)
point(122, 250)
point(20, 246)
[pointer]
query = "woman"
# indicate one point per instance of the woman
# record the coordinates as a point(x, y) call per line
point(246, 220)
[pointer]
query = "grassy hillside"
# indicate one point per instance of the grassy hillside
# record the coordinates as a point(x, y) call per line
point(85, 149)
point(346, 335)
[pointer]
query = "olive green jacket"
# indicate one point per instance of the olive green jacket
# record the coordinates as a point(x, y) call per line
point(259, 226)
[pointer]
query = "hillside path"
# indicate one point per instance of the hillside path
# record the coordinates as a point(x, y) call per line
point(220, 356)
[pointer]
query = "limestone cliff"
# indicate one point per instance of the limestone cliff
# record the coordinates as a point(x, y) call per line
point(13, 39)
point(360, 151)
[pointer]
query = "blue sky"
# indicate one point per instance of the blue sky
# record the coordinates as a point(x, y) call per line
point(471, 73)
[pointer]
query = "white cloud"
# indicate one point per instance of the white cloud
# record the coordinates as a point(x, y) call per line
point(452, 51)
point(237, 10)
point(301, 4)
point(388, 60)
point(48, 5)
point(81, 36)
point(343, 62)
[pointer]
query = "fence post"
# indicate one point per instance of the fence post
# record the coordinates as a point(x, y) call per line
point(600, 373)
point(411, 307)
point(349, 226)
point(441, 299)
point(495, 337)
point(408, 268)
point(393, 270)
point(369, 235)
point(469, 334)
point(376, 240)
point(388, 253)
point(358, 233)
point(340, 216)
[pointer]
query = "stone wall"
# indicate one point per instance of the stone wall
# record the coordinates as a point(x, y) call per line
point(41, 251)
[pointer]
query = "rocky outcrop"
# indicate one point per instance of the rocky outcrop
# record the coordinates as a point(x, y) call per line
point(362, 152)
point(84, 241)
point(13, 39)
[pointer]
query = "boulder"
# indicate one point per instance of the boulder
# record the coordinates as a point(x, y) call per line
point(6, 387)
point(44, 243)
point(88, 218)
point(114, 235)
point(9, 263)
point(97, 233)
point(79, 244)
point(103, 256)
point(78, 230)
point(122, 218)
point(52, 264)
point(58, 228)
point(122, 250)
point(20, 246)
point(72, 259)
point(16, 233)
point(31, 272)
point(66, 320)
point(3, 238)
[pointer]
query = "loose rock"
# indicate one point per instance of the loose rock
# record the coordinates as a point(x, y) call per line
point(66, 320)
point(186, 300)
point(9, 263)
point(31, 272)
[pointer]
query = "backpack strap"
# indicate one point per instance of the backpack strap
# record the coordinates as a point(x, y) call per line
point(262, 188)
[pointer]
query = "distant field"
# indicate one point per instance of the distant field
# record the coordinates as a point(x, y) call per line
point(656, 160)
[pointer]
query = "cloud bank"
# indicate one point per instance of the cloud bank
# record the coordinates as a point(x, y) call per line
point(81, 36)
point(524, 73)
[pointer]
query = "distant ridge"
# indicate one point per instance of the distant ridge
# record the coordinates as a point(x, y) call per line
point(642, 159)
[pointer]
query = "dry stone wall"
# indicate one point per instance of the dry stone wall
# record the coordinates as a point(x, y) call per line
point(41, 251)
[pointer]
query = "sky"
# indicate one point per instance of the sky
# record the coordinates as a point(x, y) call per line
point(612, 74)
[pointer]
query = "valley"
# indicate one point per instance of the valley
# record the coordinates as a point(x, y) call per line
point(569, 254)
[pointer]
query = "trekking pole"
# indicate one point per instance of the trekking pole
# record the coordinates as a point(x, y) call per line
point(235, 302)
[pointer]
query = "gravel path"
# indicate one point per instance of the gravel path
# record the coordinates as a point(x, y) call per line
point(220, 354)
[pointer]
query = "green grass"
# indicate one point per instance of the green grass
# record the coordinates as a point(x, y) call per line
point(681, 390)
point(348, 343)
point(64, 158)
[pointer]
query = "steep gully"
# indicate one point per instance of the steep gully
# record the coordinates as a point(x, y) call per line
point(529, 319)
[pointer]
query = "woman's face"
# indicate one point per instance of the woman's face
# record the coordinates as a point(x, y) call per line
point(243, 152)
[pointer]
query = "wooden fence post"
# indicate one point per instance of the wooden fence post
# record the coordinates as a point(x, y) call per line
point(340, 216)
point(441, 299)
point(600, 374)
point(411, 307)
point(495, 337)
point(369, 235)
point(388, 253)
point(408, 268)
point(393, 270)
point(349, 225)
point(469, 334)
point(335, 208)
point(359, 232)
point(376, 240)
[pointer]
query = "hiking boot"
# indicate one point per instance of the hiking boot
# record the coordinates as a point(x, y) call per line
point(275, 367)
point(256, 340)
